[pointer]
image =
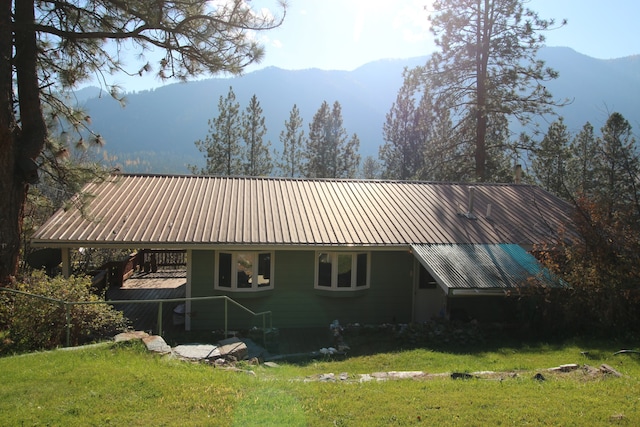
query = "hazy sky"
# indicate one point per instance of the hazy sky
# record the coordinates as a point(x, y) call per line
point(345, 34)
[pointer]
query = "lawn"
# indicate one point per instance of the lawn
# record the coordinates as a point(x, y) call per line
point(123, 384)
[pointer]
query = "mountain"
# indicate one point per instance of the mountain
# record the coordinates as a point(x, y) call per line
point(156, 130)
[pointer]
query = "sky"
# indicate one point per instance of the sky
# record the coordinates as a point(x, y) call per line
point(345, 34)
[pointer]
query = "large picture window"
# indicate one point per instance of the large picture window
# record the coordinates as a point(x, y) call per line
point(342, 270)
point(244, 271)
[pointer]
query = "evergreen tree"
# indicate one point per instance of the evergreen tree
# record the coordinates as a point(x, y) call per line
point(328, 152)
point(549, 163)
point(371, 168)
point(581, 166)
point(221, 146)
point(49, 48)
point(293, 140)
point(405, 137)
point(258, 157)
point(486, 65)
point(618, 167)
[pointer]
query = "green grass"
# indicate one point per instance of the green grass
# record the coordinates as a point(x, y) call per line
point(123, 384)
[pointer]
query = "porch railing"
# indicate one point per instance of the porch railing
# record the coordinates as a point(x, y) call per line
point(68, 304)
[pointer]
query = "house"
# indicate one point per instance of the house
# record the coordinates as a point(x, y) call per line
point(315, 250)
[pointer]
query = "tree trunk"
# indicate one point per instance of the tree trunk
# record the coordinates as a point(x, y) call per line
point(482, 55)
point(19, 147)
point(11, 189)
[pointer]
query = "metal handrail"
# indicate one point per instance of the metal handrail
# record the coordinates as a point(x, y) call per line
point(68, 304)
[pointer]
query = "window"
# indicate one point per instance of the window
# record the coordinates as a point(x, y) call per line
point(244, 271)
point(342, 270)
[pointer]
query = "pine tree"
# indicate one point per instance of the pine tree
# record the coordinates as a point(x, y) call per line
point(49, 48)
point(549, 163)
point(221, 146)
point(581, 165)
point(618, 168)
point(487, 65)
point(405, 137)
point(293, 141)
point(328, 154)
point(258, 157)
point(371, 168)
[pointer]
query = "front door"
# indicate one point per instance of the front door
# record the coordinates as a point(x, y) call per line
point(429, 300)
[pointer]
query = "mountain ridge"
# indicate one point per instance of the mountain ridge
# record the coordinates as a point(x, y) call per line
point(157, 129)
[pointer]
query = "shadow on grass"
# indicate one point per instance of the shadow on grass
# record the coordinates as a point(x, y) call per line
point(301, 345)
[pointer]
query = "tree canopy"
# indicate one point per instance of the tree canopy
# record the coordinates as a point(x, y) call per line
point(52, 46)
point(329, 154)
point(485, 69)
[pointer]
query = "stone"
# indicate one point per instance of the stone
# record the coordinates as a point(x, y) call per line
point(156, 344)
point(271, 364)
point(565, 368)
point(406, 374)
point(131, 335)
point(197, 351)
point(233, 348)
point(608, 370)
point(461, 376)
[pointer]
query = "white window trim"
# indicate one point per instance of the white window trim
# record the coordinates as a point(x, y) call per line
point(234, 271)
point(334, 271)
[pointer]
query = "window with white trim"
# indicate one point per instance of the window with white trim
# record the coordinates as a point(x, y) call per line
point(244, 271)
point(342, 270)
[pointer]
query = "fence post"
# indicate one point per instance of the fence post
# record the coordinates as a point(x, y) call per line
point(225, 318)
point(264, 330)
point(160, 318)
point(67, 316)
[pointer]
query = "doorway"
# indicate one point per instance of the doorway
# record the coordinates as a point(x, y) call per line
point(429, 300)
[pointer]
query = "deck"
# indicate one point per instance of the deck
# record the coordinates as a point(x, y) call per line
point(172, 284)
point(148, 286)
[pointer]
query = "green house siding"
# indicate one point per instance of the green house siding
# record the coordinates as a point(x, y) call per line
point(295, 303)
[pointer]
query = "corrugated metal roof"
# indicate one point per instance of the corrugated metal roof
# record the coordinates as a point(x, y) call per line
point(482, 267)
point(175, 211)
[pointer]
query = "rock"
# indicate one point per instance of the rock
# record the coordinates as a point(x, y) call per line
point(461, 376)
point(565, 368)
point(156, 344)
point(197, 351)
point(131, 335)
point(608, 370)
point(233, 348)
point(539, 377)
point(271, 364)
point(327, 377)
point(590, 370)
point(365, 378)
point(406, 374)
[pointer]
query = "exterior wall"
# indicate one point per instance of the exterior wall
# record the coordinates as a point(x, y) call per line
point(481, 308)
point(295, 303)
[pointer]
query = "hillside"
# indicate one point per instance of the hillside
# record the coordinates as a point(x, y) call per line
point(156, 130)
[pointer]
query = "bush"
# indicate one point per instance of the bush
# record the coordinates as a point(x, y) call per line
point(28, 323)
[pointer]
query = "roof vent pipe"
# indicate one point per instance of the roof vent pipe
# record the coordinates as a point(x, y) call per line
point(472, 193)
point(518, 174)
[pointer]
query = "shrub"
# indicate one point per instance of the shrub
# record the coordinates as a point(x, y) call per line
point(29, 323)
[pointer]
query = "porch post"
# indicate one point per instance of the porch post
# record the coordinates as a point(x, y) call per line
point(66, 262)
point(187, 305)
